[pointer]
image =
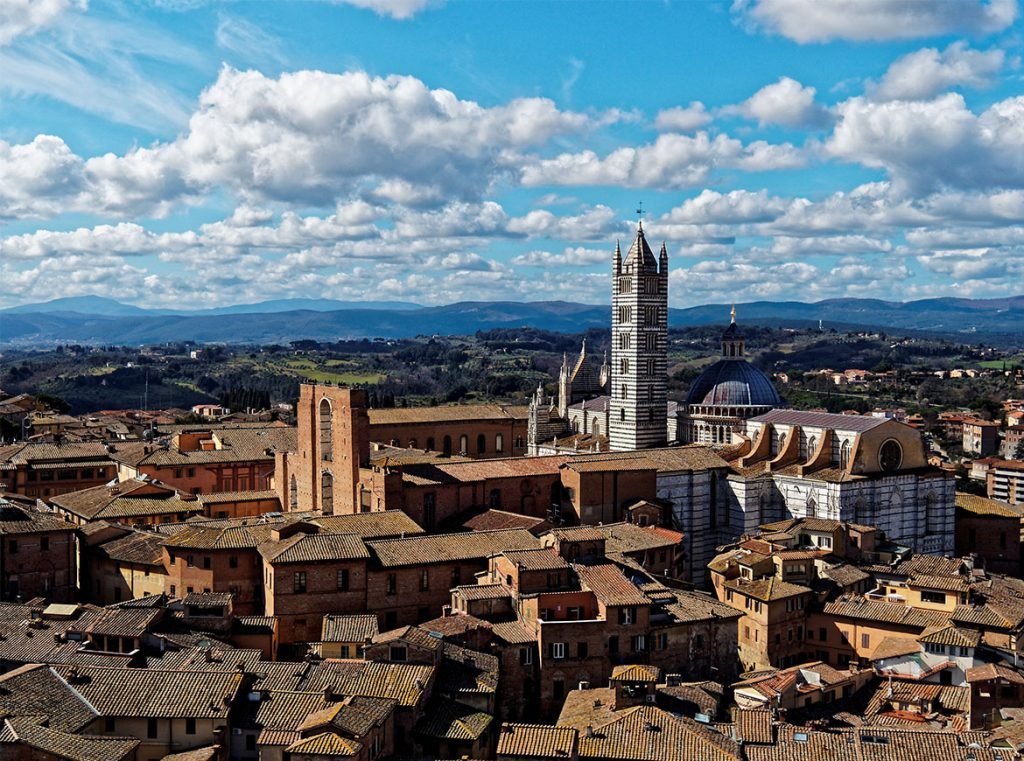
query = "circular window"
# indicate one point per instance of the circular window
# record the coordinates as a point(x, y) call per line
point(890, 455)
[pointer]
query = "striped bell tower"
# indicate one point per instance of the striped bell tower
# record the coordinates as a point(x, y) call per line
point(639, 401)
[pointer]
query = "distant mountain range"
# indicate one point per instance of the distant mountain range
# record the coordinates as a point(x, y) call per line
point(94, 319)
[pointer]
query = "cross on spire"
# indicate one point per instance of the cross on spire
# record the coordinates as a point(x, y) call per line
point(640, 214)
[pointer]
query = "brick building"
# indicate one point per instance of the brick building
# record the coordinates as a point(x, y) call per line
point(44, 471)
point(121, 564)
point(38, 555)
point(138, 502)
point(207, 460)
point(980, 437)
point(473, 430)
point(991, 531)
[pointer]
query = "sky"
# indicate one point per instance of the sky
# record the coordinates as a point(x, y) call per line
point(191, 154)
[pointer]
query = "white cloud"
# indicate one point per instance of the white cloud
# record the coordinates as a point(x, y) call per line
point(37, 178)
point(829, 245)
point(247, 40)
point(786, 102)
point(693, 116)
point(26, 17)
point(672, 161)
point(597, 223)
point(930, 145)
point(823, 20)
point(712, 207)
point(397, 9)
point(927, 72)
point(569, 257)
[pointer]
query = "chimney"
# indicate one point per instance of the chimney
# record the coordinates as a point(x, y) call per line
point(589, 731)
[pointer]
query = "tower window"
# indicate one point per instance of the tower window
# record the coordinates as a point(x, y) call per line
point(625, 314)
point(624, 366)
point(650, 367)
point(650, 315)
point(650, 342)
point(625, 284)
point(623, 340)
point(624, 393)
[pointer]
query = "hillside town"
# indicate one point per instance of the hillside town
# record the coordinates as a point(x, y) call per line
point(604, 573)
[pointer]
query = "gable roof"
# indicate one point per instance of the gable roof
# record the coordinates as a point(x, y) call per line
point(443, 548)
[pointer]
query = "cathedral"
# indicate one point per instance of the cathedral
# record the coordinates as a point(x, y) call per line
point(624, 406)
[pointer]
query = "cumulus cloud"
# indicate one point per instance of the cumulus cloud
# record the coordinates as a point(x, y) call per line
point(786, 102)
point(309, 138)
point(934, 144)
point(569, 257)
point(823, 20)
point(927, 72)
point(672, 161)
point(712, 207)
point(679, 119)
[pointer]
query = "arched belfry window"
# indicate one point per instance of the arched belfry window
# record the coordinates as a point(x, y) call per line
point(844, 455)
point(326, 424)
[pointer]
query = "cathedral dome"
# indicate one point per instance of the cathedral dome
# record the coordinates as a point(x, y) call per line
point(733, 383)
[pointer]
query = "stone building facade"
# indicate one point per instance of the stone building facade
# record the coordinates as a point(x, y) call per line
point(639, 342)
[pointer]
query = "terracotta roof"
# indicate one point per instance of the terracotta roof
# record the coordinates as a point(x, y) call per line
point(482, 591)
point(39, 691)
point(237, 496)
point(353, 628)
point(34, 453)
point(766, 590)
point(312, 548)
point(138, 547)
point(885, 612)
point(68, 747)
point(325, 744)
point(755, 726)
point(951, 635)
point(404, 682)
point(609, 585)
point(636, 672)
point(442, 548)
point(208, 753)
point(122, 622)
point(578, 534)
point(448, 720)
point(465, 672)
point(455, 624)
point(445, 413)
point(155, 693)
point(947, 583)
point(846, 575)
point(647, 733)
point(491, 520)
point(894, 647)
point(972, 503)
point(379, 525)
point(23, 520)
point(514, 633)
point(237, 445)
point(537, 560)
point(128, 499)
point(409, 635)
point(537, 741)
point(628, 537)
point(990, 671)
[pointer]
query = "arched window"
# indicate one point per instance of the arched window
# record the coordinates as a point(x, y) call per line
point(812, 444)
point(499, 443)
point(481, 443)
point(844, 455)
point(595, 428)
point(776, 442)
point(447, 451)
point(624, 365)
point(293, 494)
point(624, 390)
point(326, 442)
point(463, 444)
point(430, 443)
point(327, 493)
point(812, 507)
point(622, 414)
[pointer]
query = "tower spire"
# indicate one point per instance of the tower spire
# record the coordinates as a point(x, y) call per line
point(732, 314)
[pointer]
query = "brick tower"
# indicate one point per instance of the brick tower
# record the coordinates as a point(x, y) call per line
point(639, 403)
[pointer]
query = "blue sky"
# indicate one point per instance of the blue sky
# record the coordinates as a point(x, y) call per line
point(190, 153)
